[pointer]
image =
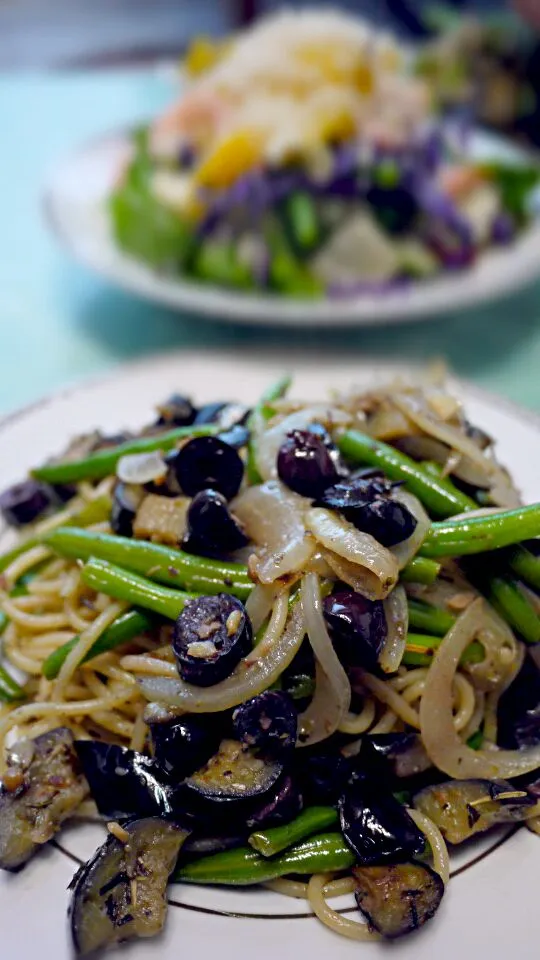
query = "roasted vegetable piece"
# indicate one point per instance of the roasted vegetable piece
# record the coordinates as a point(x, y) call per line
point(398, 898)
point(232, 784)
point(208, 463)
point(124, 783)
point(462, 808)
point(212, 531)
point(518, 712)
point(357, 626)
point(367, 503)
point(305, 462)
point(211, 636)
point(24, 502)
point(126, 501)
point(161, 519)
point(42, 787)
point(404, 752)
point(176, 411)
point(376, 826)
point(121, 892)
point(268, 721)
point(183, 744)
point(324, 774)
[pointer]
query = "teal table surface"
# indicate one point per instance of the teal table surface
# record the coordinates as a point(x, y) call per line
point(59, 323)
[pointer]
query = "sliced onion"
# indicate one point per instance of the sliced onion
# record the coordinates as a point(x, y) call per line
point(377, 564)
point(254, 674)
point(388, 424)
point(272, 517)
point(407, 549)
point(269, 441)
point(503, 655)
point(141, 467)
point(396, 611)
point(359, 578)
point(442, 742)
point(260, 602)
point(332, 696)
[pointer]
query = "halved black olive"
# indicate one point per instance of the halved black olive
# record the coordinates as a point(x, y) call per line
point(183, 744)
point(42, 786)
point(232, 784)
point(24, 502)
point(518, 711)
point(268, 721)
point(210, 637)
point(404, 752)
point(357, 626)
point(121, 892)
point(125, 783)
point(212, 531)
point(355, 492)
point(177, 411)
point(397, 899)
point(206, 463)
point(376, 826)
point(366, 502)
point(462, 808)
point(324, 773)
point(305, 462)
point(125, 503)
point(285, 804)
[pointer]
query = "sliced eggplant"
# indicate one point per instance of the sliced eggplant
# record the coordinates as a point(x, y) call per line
point(282, 807)
point(518, 713)
point(125, 783)
point(121, 892)
point(462, 808)
point(397, 899)
point(324, 774)
point(42, 787)
point(233, 783)
point(183, 744)
point(404, 752)
point(376, 826)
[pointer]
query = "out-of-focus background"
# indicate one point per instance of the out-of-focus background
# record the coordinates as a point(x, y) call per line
point(71, 69)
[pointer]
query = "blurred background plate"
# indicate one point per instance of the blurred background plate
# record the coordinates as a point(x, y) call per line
point(74, 206)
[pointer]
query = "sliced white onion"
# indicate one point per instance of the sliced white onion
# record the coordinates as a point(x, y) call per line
point(359, 578)
point(442, 742)
point(254, 674)
point(272, 517)
point(260, 602)
point(503, 655)
point(396, 611)
point(343, 539)
point(408, 548)
point(269, 441)
point(141, 467)
point(332, 696)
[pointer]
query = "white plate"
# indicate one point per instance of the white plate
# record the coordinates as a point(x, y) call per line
point(491, 904)
point(74, 206)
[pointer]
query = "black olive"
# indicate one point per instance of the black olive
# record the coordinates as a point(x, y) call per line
point(357, 626)
point(210, 637)
point(268, 721)
point(176, 411)
point(324, 774)
point(404, 752)
point(355, 492)
point(376, 826)
point(208, 463)
point(285, 804)
point(183, 744)
point(123, 782)
point(211, 529)
point(305, 463)
point(24, 502)
point(518, 711)
point(366, 503)
point(126, 501)
point(63, 492)
point(397, 899)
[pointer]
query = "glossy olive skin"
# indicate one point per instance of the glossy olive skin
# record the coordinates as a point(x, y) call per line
point(268, 721)
point(125, 504)
point(183, 744)
point(518, 711)
point(220, 642)
point(283, 806)
point(324, 773)
point(404, 752)
point(176, 411)
point(24, 502)
point(305, 462)
point(376, 826)
point(212, 531)
point(225, 415)
point(367, 503)
point(357, 627)
point(125, 783)
point(206, 463)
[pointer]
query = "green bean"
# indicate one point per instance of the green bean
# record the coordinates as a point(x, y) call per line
point(469, 535)
point(420, 570)
point(505, 595)
point(262, 411)
point(304, 226)
point(476, 740)
point(310, 821)
point(92, 512)
point(244, 867)
point(102, 463)
point(434, 494)
point(435, 470)
point(526, 565)
point(128, 625)
point(131, 588)
point(429, 619)
point(10, 691)
point(164, 564)
point(218, 263)
point(419, 651)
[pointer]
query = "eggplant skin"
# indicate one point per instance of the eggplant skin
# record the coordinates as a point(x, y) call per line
point(463, 808)
point(44, 790)
point(120, 893)
point(397, 899)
